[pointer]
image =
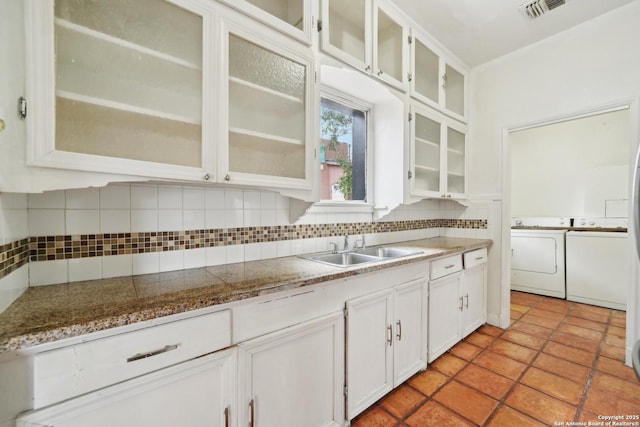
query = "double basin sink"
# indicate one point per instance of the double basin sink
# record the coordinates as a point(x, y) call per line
point(362, 256)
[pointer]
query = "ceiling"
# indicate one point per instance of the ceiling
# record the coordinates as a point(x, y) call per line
point(477, 31)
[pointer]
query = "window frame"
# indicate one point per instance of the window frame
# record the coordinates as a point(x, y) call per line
point(350, 101)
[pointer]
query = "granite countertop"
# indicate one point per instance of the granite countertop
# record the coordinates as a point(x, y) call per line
point(49, 313)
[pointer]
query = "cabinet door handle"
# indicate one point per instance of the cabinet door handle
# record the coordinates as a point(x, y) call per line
point(399, 333)
point(466, 304)
point(226, 417)
point(164, 349)
point(461, 303)
point(252, 413)
point(390, 335)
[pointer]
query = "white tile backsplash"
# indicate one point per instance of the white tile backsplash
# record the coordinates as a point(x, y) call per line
point(194, 219)
point(89, 268)
point(123, 208)
point(170, 220)
point(82, 221)
point(84, 198)
point(146, 263)
point(47, 200)
point(12, 286)
point(251, 200)
point(252, 252)
point(117, 265)
point(48, 273)
point(115, 197)
point(46, 222)
point(234, 253)
point(215, 219)
point(195, 258)
point(193, 198)
point(169, 197)
point(115, 221)
point(233, 199)
point(214, 199)
point(144, 220)
point(171, 260)
point(15, 225)
point(13, 201)
point(216, 255)
point(234, 218)
point(144, 197)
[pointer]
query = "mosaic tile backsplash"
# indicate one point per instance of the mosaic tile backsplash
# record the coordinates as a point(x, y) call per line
point(51, 248)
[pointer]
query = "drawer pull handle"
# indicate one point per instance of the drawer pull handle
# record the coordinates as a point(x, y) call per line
point(164, 349)
point(479, 258)
point(449, 266)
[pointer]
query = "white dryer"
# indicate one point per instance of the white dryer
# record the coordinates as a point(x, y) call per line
point(537, 255)
point(598, 262)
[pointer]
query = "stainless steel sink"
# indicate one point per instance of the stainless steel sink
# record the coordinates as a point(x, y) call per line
point(362, 256)
point(343, 259)
point(389, 252)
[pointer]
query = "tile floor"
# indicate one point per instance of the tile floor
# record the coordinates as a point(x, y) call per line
point(558, 362)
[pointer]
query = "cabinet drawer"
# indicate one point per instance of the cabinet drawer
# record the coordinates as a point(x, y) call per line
point(473, 258)
point(63, 373)
point(444, 266)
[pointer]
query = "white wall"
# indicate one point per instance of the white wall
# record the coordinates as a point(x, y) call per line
point(583, 69)
point(573, 169)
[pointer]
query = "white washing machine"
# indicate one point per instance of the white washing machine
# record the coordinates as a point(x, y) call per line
point(537, 255)
point(598, 262)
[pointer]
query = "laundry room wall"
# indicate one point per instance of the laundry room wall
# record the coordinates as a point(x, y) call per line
point(573, 168)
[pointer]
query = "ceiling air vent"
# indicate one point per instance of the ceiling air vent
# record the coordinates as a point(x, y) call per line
point(537, 8)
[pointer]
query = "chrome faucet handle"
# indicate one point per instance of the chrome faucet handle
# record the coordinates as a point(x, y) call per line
point(334, 247)
point(346, 242)
point(362, 243)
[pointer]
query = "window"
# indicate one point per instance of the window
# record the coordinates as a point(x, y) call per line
point(343, 150)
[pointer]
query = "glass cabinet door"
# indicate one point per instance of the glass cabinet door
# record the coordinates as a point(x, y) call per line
point(268, 101)
point(426, 72)
point(456, 153)
point(346, 31)
point(391, 47)
point(454, 88)
point(291, 17)
point(427, 143)
point(129, 80)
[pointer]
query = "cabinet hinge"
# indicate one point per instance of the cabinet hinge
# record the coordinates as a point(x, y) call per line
point(410, 39)
point(22, 107)
point(319, 25)
point(346, 312)
point(409, 76)
point(346, 390)
point(409, 174)
point(410, 116)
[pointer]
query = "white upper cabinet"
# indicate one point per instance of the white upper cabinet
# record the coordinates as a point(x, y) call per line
point(435, 80)
point(292, 17)
point(266, 107)
point(438, 153)
point(120, 87)
point(370, 36)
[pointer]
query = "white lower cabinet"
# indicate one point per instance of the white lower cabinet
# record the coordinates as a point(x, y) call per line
point(457, 299)
point(386, 342)
point(445, 307)
point(198, 392)
point(294, 377)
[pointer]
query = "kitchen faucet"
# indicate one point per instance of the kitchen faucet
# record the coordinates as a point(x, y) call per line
point(362, 245)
